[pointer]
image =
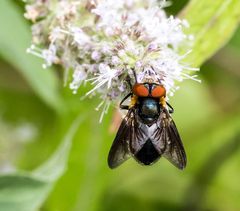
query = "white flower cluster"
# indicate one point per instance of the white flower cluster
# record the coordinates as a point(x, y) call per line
point(102, 41)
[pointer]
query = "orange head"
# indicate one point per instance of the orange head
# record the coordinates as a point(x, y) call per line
point(149, 90)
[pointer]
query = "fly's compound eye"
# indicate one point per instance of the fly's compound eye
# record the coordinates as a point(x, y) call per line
point(140, 90)
point(158, 91)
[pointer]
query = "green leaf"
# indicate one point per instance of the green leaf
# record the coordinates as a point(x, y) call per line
point(86, 177)
point(26, 191)
point(212, 23)
point(55, 166)
point(21, 192)
point(15, 38)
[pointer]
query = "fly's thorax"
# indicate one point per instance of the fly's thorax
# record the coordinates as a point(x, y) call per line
point(148, 109)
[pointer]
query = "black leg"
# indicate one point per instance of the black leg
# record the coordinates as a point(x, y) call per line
point(125, 107)
point(128, 79)
point(134, 74)
point(171, 110)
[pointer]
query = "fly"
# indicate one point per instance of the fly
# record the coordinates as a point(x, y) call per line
point(148, 131)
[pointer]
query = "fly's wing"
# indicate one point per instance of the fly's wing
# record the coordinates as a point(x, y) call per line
point(119, 151)
point(141, 145)
point(168, 142)
point(138, 133)
point(175, 152)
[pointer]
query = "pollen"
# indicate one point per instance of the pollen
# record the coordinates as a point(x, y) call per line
point(163, 102)
point(133, 101)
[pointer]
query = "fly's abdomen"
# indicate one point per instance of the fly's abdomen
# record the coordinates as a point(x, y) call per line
point(147, 154)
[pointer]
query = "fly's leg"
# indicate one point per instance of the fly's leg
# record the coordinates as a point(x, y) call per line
point(125, 107)
point(134, 74)
point(132, 103)
point(133, 97)
point(128, 79)
point(171, 109)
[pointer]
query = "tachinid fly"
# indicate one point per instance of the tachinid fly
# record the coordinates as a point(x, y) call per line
point(147, 132)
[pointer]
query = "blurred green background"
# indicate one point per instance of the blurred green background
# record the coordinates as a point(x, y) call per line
point(53, 151)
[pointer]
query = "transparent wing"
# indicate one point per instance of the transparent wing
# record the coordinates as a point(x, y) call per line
point(141, 145)
point(120, 151)
point(139, 134)
point(168, 142)
point(130, 138)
